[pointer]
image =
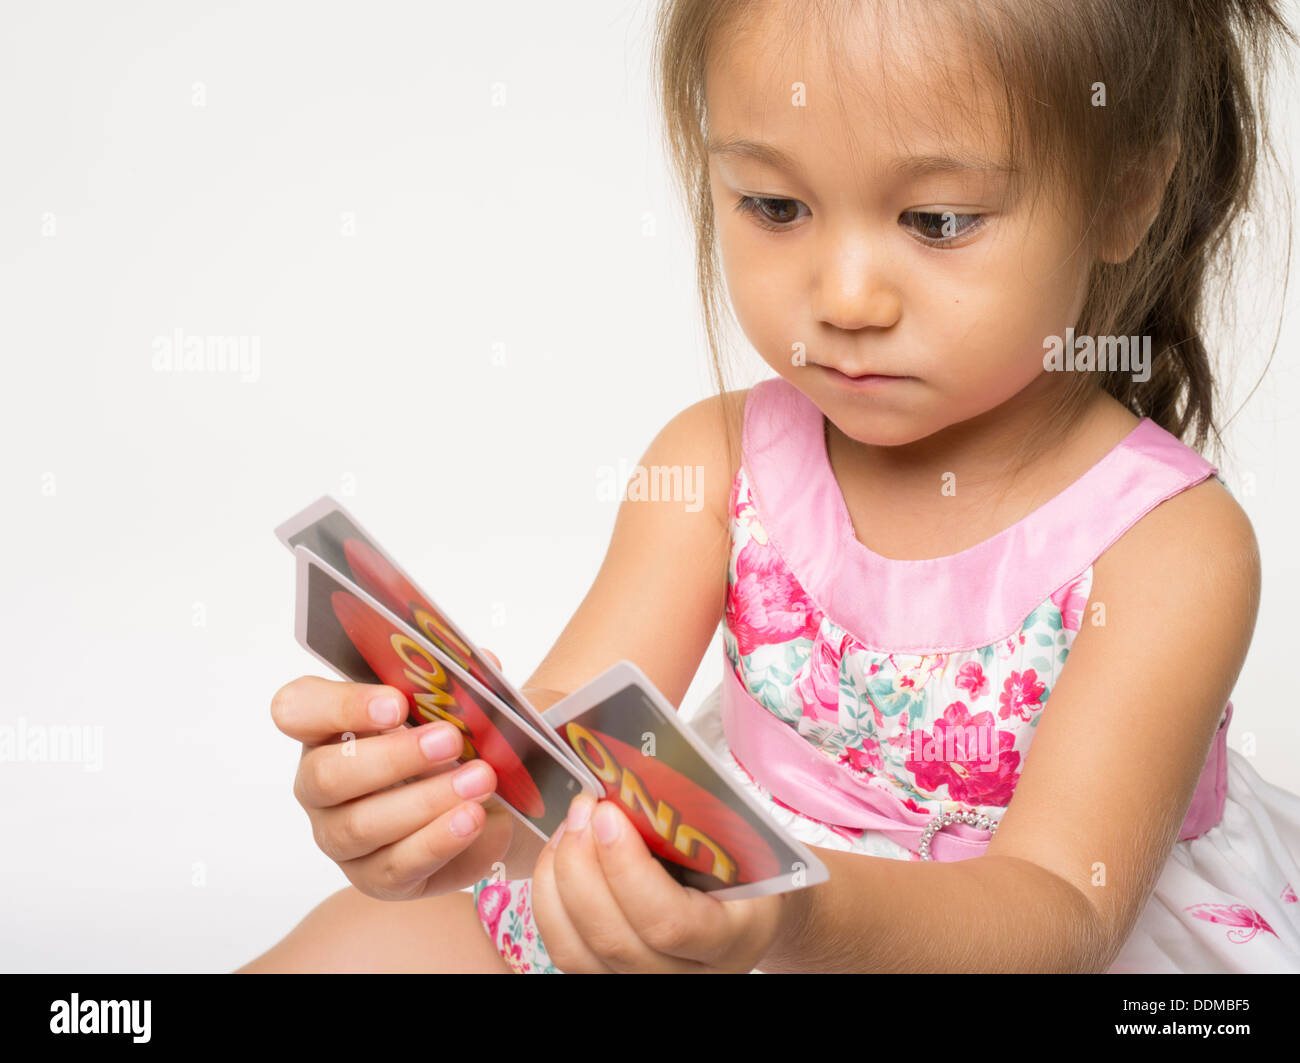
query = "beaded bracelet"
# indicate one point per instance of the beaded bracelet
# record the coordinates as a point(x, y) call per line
point(937, 824)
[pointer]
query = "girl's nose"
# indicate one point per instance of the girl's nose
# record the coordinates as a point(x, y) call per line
point(853, 289)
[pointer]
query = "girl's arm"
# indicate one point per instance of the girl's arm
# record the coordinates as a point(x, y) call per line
point(658, 596)
point(1105, 788)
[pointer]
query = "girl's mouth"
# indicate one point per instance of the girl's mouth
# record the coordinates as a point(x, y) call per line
point(862, 381)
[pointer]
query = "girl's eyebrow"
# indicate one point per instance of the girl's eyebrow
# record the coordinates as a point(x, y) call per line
point(905, 166)
point(740, 148)
point(921, 165)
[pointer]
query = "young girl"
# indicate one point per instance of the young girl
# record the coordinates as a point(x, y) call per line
point(974, 243)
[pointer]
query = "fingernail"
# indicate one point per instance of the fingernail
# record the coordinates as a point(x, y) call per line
point(579, 813)
point(472, 780)
point(463, 823)
point(385, 710)
point(440, 742)
point(607, 825)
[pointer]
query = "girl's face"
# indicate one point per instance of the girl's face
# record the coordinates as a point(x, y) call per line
point(865, 228)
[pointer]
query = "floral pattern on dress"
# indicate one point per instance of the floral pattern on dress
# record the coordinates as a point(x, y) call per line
point(505, 909)
point(1245, 921)
point(939, 732)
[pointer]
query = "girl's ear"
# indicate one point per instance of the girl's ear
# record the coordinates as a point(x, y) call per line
point(1140, 192)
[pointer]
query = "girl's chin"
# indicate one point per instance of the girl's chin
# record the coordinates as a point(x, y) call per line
point(893, 429)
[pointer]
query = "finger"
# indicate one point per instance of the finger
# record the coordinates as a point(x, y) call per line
point(591, 906)
point(671, 919)
point(315, 710)
point(409, 868)
point(357, 828)
point(485, 856)
point(563, 943)
point(331, 774)
point(495, 659)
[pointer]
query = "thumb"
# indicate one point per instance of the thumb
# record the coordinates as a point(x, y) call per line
point(495, 659)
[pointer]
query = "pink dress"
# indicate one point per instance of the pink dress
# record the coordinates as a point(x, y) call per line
point(863, 697)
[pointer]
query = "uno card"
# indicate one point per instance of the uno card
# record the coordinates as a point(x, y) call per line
point(332, 534)
point(703, 827)
point(345, 628)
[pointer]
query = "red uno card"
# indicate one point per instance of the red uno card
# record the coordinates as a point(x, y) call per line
point(333, 534)
point(347, 629)
point(703, 827)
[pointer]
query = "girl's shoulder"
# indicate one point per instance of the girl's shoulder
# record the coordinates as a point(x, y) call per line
point(1203, 529)
point(1197, 517)
point(701, 444)
point(1191, 549)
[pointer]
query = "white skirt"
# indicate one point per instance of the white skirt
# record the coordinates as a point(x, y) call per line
point(1226, 901)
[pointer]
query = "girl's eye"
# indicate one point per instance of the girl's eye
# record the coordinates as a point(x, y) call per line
point(771, 214)
point(940, 229)
point(937, 229)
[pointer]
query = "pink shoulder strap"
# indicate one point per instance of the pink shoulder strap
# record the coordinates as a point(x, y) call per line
point(965, 600)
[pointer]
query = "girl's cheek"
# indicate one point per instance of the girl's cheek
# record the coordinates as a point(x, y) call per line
point(763, 323)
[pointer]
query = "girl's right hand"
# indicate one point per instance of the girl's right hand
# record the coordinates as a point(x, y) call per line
point(387, 802)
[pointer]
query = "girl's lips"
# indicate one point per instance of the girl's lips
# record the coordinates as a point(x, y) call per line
point(870, 380)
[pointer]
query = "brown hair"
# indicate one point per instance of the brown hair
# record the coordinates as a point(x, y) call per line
point(1188, 73)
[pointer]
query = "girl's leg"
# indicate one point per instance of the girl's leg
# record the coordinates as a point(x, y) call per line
point(350, 932)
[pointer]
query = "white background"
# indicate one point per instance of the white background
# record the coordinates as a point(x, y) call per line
point(464, 312)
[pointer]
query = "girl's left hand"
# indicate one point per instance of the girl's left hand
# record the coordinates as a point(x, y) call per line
point(604, 905)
